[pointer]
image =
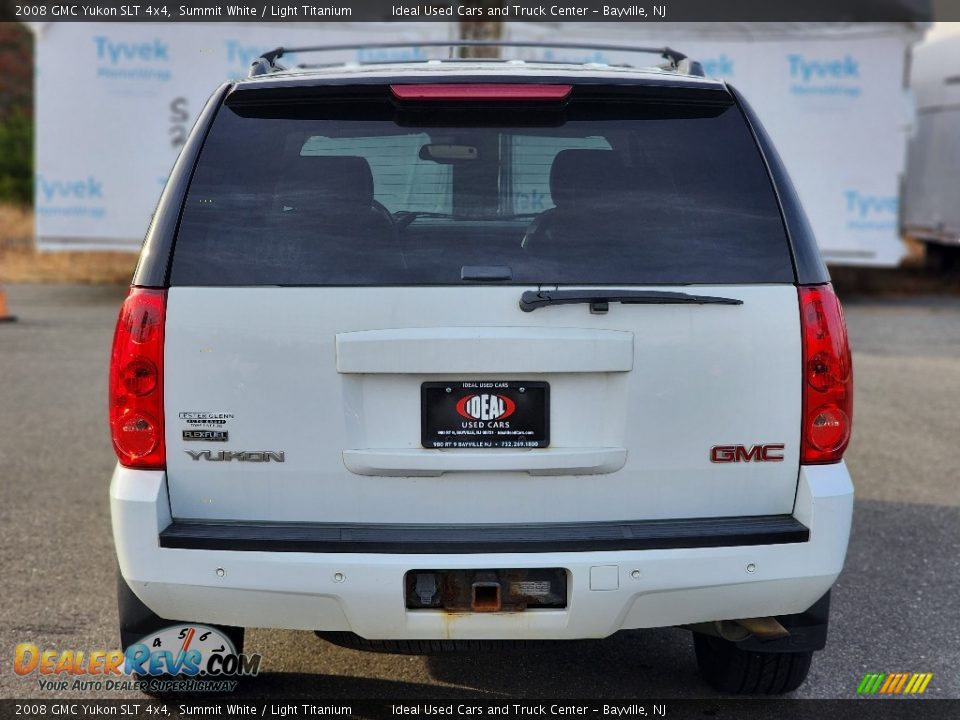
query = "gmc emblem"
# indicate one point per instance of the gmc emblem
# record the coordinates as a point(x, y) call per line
point(742, 453)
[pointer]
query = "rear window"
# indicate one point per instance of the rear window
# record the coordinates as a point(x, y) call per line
point(362, 192)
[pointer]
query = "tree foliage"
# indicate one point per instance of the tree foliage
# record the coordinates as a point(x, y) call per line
point(16, 158)
point(16, 114)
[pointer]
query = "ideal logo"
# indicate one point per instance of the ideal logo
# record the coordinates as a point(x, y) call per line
point(122, 60)
point(870, 212)
point(486, 407)
point(824, 76)
point(74, 197)
point(720, 66)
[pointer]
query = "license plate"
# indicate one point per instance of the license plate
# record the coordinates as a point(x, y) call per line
point(485, 414)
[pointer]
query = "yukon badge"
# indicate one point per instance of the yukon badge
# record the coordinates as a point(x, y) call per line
point(239, 455)
point(743, 453)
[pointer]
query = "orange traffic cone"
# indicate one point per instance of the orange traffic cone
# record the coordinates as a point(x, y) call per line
point(4, 316)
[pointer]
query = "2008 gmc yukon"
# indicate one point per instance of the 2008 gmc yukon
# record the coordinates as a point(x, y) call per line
point(424, 354)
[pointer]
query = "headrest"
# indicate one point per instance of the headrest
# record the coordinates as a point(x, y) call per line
point(327, 182)
point(580, 177)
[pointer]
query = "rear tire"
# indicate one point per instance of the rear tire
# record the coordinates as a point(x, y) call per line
point(731, 670)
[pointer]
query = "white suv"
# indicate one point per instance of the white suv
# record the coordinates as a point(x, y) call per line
point(424, 354)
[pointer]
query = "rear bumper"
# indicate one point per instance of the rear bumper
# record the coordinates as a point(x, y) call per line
point(408, 540)
point(311, 588)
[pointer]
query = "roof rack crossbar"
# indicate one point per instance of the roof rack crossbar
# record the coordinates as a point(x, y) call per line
point(267, 62)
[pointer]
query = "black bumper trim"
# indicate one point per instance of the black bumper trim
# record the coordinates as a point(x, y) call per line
point(514, 538)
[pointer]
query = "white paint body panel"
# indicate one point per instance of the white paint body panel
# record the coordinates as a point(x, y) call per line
point(331, 377)
point(423, 462)
point(298, 590)
point(467, 350)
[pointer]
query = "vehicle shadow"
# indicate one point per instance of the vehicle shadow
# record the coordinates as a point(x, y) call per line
point(648, 663)
point(652, 663)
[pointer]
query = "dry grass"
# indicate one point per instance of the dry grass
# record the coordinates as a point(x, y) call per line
point(913, 277)
point(20, 261)
point(15, 223)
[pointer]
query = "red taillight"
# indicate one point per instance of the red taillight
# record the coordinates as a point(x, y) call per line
point(481, 91)
point(136, 380)
point(827, 377)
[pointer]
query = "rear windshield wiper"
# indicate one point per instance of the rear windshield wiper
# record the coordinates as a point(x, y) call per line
point(600, 300)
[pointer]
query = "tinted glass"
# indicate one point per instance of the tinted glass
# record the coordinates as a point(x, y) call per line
point(600, 193)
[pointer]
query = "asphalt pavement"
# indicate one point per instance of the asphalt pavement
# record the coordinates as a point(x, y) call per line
point(896, 607)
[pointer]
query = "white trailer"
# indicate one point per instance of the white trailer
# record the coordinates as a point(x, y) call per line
point(931, 190)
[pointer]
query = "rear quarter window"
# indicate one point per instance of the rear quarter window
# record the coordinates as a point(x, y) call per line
point(596, 192)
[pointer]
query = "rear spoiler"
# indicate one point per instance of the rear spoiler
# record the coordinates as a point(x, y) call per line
point(676, 61)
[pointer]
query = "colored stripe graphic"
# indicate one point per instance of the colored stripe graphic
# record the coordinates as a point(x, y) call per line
point(927, 677)
point(888, 683)
point(894, 683)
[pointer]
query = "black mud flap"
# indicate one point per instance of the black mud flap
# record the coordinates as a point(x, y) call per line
point(138, 621)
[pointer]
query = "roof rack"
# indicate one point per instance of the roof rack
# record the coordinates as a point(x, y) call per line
point(676, 61)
